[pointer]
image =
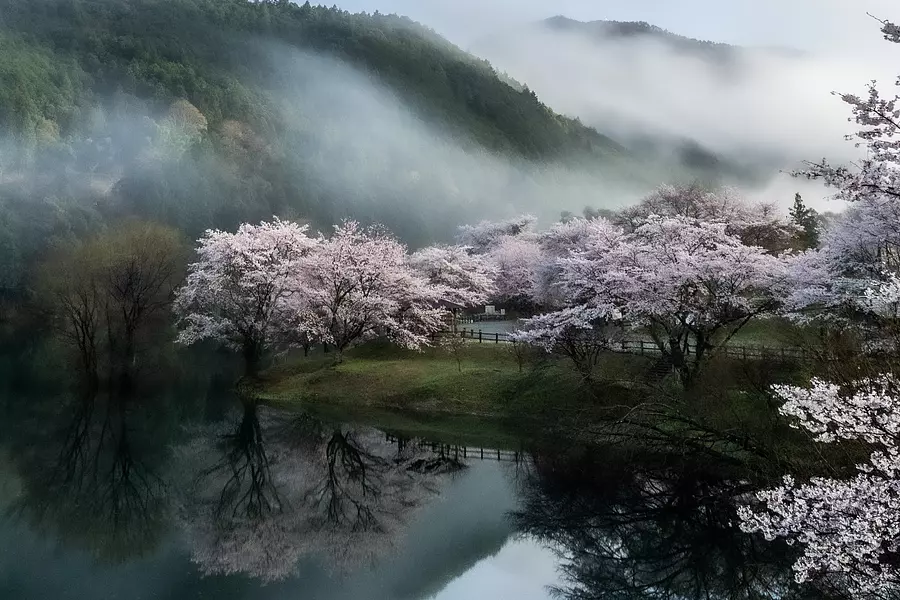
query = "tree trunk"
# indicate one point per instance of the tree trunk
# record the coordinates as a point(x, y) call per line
point(252, 357)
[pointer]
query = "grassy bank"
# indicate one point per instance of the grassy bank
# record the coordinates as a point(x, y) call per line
point(481, 396)
point(484, 381)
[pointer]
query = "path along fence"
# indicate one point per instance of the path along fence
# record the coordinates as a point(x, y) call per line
point(644, 347)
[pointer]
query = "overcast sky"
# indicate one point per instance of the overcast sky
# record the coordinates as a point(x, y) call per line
point(822, 26)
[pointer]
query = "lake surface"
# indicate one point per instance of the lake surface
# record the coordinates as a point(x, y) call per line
point(111, 498)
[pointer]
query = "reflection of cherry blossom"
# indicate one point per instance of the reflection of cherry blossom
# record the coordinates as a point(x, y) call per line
point(282, 488)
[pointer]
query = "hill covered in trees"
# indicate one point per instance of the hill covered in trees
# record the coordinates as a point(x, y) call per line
point(73, 54)
point(209, 113)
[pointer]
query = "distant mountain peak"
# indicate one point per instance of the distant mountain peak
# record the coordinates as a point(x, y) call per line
point(607, 30)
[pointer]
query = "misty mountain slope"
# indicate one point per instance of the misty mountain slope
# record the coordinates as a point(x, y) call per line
point(208, 113)
point(742, 112)
point(640, 30)
point(163, 50)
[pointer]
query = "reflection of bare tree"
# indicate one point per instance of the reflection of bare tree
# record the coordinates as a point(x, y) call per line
point(628, 532)
point(95, 484)
point(281, 487)
point(249, 487)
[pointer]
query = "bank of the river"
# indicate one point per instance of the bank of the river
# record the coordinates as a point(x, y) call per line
point(487, 399)
point(483, 381)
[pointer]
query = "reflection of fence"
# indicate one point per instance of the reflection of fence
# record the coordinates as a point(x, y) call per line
point(466, 452)
point(645, 347)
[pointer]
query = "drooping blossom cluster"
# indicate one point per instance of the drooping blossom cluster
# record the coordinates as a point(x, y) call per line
point(849, 529)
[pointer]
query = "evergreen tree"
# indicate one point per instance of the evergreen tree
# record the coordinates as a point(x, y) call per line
point(807, 220)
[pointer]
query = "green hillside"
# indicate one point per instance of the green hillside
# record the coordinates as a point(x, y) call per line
point(162, 50)
point(207, 113)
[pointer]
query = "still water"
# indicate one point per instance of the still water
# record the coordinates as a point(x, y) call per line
point(107, 498)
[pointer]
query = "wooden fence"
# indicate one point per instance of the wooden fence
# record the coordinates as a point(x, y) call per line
point(645, 347)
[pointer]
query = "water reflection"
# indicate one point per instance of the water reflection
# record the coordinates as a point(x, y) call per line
point(91, 476)
point(625, 529)
point(338, 511)
point(280, 487)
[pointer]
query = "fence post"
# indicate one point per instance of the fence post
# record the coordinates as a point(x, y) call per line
point(497, 337)
point(479, 336)
point(744, 348)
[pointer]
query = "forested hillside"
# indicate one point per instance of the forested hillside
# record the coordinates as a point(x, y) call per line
point(210, 113)
point(207, 113)
point(162, 50)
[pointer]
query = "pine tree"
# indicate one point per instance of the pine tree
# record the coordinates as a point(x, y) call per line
point(807, 220)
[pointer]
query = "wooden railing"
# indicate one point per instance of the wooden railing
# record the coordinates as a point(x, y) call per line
point(645, 347)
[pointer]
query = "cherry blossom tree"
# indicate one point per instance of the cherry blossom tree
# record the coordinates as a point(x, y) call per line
point(859, 252)
point(557, 243)
point(876, 175)
point(487, 234)
point(511, 248)
point(515, 260)
point(461, 278)
point(689, 285)
point(245, 289)
point(849, 529)
point(361, 286)
point(759, 224)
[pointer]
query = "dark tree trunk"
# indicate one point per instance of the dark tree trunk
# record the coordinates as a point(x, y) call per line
point(252, 359)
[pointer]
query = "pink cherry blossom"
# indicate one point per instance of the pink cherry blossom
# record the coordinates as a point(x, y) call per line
point(242, 290)
point(361, 286)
